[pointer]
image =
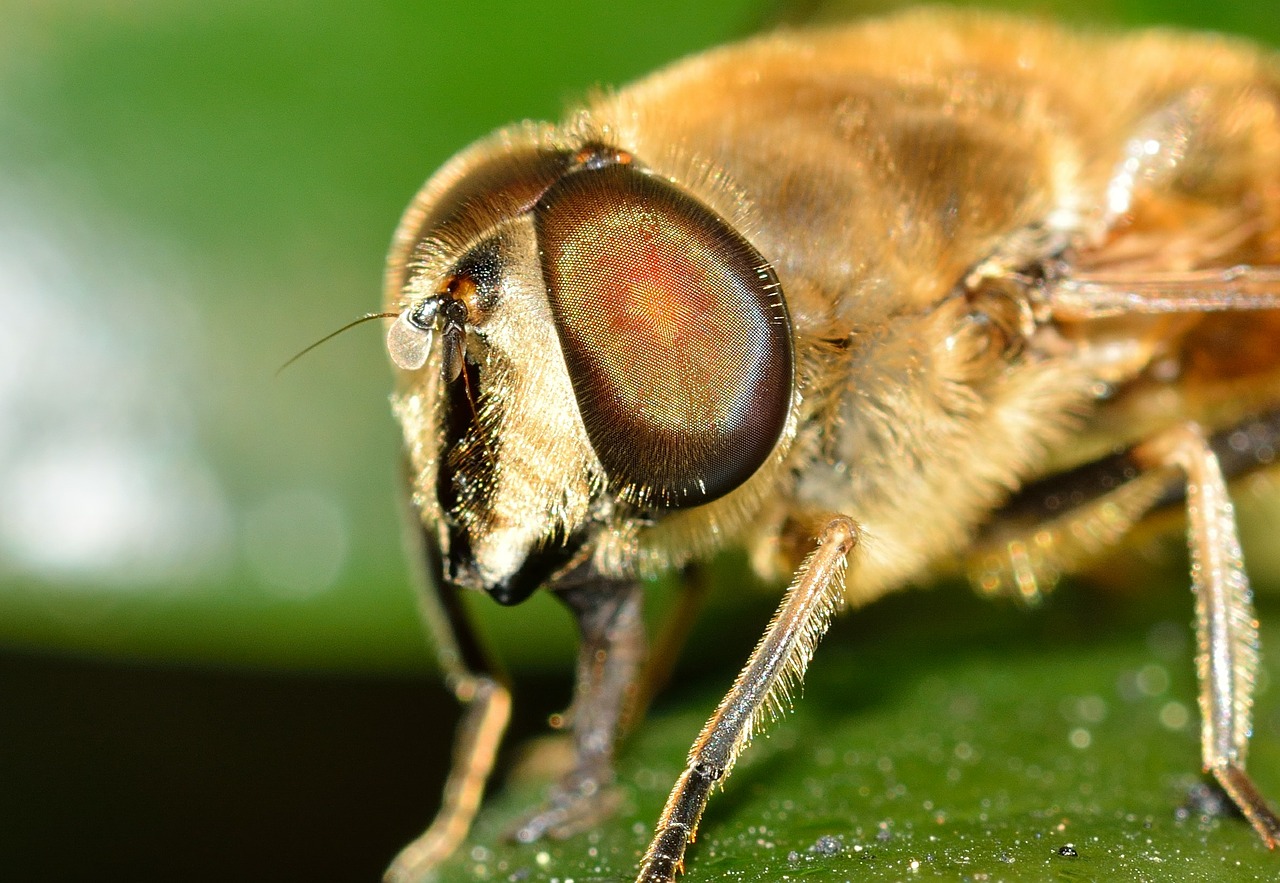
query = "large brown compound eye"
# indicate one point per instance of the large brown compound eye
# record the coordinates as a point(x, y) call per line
point(675, 331)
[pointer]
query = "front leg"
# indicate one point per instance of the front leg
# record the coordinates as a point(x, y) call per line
point(475, 679)
point(612, 650)
point(763, 689)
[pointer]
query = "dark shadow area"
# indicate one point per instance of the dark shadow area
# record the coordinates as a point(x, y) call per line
point(134, 773)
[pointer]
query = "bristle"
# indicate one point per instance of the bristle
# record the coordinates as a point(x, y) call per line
point(1244, 630)
point(792, 637)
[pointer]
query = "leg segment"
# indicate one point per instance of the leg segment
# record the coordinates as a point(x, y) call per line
point(1059, 523)
point(609, 659)
point(763, 690)
point(1226, 625)
point(475, 680)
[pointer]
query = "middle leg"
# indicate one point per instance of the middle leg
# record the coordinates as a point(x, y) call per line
point(609, 658)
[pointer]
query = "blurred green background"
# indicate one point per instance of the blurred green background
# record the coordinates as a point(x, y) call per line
point(210, 663)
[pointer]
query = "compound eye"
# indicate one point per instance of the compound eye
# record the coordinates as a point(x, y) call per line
point(675, 331)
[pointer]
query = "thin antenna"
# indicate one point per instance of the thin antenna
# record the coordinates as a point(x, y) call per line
point(365, 318)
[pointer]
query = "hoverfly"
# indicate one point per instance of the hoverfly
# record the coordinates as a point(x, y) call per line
point(863, 301)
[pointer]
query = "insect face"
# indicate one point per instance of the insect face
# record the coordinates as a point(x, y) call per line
point(608, 347)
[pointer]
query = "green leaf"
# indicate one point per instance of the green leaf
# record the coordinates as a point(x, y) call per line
point(941, 737)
